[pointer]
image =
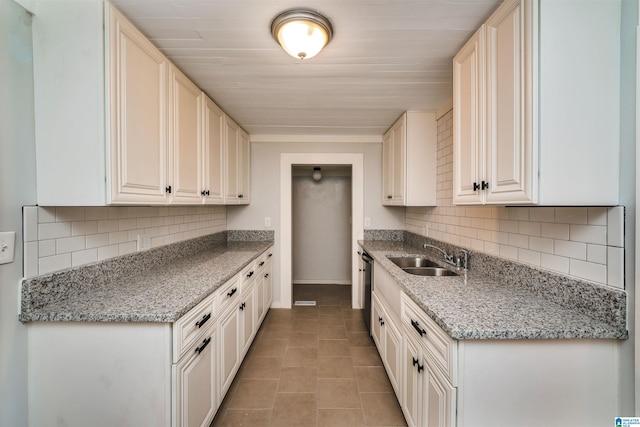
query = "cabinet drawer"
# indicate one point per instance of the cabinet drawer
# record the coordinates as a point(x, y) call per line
point(229, 293)
point(190, 327)
point(247, 276)
point(437, 343)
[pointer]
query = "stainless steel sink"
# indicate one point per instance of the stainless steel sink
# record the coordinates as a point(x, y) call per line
point(412, 262)
point(429, 271)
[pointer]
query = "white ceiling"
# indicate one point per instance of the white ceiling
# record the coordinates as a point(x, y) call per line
point(386, 57)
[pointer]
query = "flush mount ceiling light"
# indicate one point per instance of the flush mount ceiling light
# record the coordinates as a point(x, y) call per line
point(302, 33)
point(317, 176)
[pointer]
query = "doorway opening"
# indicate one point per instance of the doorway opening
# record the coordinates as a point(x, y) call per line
point(294, 163)
point(321, 227)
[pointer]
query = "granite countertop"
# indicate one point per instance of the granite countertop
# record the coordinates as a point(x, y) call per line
point(160, 292)
point(478, 306)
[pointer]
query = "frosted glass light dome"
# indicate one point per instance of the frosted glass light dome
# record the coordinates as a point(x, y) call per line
point(302, 33)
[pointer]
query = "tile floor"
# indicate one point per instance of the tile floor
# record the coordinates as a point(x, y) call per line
point(312, 366)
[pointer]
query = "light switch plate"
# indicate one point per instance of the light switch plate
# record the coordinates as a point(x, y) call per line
point(144, 242)
point(7, 246)
point(367, 221)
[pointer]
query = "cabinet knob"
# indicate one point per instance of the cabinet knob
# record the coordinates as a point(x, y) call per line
point(207, 192)
point(203, 320)
point(249, 274)
point(389, 197)
point(266, 275)
point(204, 345)
point(233, 291)
point(240, 196)
point(242, 306)
point(485, 185)
point(203, 193)
point(418, 328)
point(476, 186)
point(167, 189)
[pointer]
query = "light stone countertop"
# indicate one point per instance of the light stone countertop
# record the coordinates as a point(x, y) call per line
point(162, 292)
point(478, 306)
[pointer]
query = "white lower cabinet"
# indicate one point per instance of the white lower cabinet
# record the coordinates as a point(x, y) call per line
point(195, 383)
point(146, 374)
point(492, 382)
point(388, 340)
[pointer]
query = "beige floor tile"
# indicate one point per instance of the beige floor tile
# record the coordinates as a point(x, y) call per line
point(381, 409)
point(274, 333)
point(360, 339)
point(330, 319)
point(254, 394)
point(340, 418)
point(333, 348)
point(269, 347)
point(355, 325)
point(303, 339)
point(372, 379)
point(335, 367)
point(294, 409)
point(352, 314)
point(334, 393)
point(365, 356)
point(298, 380)
point(309, 326)
point(243, 417)
point(261, 367)
point(332, 332)
point(333, 310)
point(301, 356)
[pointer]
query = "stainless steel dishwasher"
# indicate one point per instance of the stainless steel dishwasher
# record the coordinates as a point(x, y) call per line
point(368, 284)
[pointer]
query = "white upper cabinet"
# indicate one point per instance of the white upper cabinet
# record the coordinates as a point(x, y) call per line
point(116, 122)
point(238, 152)
point(536, 106)
point(409, 160)
point(137, 99)
point(185, 139)
point(213, 146)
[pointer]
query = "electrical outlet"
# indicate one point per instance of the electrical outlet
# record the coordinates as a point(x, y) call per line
point(144, 241)
point(7, 246)
point(367, 221)
point(267, 221)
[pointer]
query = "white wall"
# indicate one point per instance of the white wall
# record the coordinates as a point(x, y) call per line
point(17, 188)
point(321, 227)
point(265, 190)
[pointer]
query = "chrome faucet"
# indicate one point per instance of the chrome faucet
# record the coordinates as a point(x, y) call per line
point(459, 261)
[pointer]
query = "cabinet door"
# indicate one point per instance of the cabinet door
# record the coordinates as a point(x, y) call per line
point(387, 167)
point(268, 289)
point(212, 141)
point(377, 319)
point(229, 348)
point(249, 318)
point(440, 399)
point(468, 118)
point(244, 167)
point(195, 384)
point(138, 115)
point(510, 146)
point(185, 141)
point(231, 161)
point(399, 161)
point(393, 354)
point(412, 384)
point(260, 300)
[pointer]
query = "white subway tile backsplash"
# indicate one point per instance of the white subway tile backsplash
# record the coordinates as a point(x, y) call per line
point(69, 214)
point(572, 215)
point(30, 224)
point(588, 233)
point(53, 263)
point(87, 234)
point(82, 228)
point(542, 214)
point(519, 241)
point(518, 214)
point(509, 252)
point(70, 244)
point(529, 228)
point(597, 216)
point(541, 244)
point(46, 247)
point(30, 268)
point(508, 226)
point(46, 214)
point(615, 227)
point(106, 252)
point(615, 267)
point(529, 257)
point(555, 263)
point(588, 270)
point(54, 230)
point(597, 254)
point(575, 250)
point(84, 257)
point(555, 231)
